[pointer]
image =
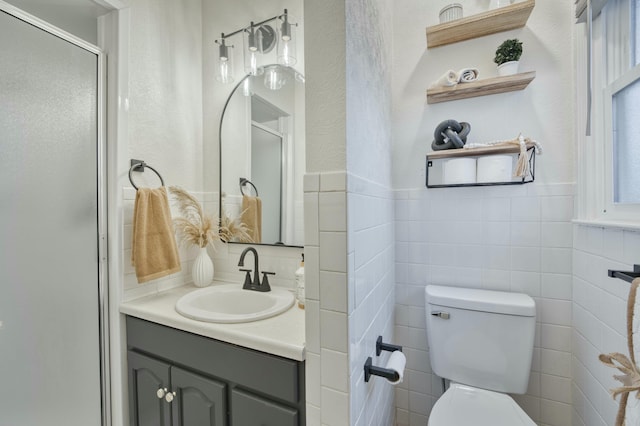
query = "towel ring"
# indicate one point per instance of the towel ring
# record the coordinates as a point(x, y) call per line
point(245, 181)
point(139, 166)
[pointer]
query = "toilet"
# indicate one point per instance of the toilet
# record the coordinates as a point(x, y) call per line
point(482, 341)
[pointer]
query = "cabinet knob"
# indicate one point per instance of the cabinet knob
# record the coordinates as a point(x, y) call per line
point(161, 392)
point(169, 396)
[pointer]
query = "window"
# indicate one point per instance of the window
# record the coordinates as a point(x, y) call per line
point(609, 160)
point(625, 138)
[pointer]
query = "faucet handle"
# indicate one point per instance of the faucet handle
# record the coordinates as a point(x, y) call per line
point(247, 278)
point(265, 280)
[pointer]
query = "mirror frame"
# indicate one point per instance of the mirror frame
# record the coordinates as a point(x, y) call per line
point(224, 110)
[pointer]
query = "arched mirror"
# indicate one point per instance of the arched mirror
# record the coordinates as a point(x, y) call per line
point(262, 158)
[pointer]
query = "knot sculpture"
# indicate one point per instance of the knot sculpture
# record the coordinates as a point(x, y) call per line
point(630, 378)
point(450, 135)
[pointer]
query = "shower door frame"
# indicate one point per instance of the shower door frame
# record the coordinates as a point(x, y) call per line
point(101, 175)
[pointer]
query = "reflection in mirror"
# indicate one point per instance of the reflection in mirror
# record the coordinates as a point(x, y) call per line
point(262, 158)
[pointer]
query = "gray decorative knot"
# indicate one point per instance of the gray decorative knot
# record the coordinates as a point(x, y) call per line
point(450, 135)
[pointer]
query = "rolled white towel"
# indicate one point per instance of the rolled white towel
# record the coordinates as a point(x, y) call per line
point(449, 78)
point(467, 75)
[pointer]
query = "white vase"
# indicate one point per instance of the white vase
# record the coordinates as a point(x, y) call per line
point(508, 68)
point(202, 269)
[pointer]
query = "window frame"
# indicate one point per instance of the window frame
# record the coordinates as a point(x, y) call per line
point(594, 157)
point(612, 210)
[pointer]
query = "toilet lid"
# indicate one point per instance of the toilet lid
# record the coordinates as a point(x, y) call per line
point(466, 405)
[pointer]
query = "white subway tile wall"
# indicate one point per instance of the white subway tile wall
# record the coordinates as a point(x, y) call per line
point(500, 238)
point(599, 321)
point(354, 301)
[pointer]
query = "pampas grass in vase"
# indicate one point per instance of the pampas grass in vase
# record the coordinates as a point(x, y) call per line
point(233, 230)
point(196, 228)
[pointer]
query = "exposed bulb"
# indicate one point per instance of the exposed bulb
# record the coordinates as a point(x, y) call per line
point(273, 80)
point(247, 87)
point(225, 66)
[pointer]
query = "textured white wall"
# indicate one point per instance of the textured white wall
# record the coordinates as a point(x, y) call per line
point(369, 67)
point(543, 111)
point(165, 89)
point(326, 108)
point(370, 232)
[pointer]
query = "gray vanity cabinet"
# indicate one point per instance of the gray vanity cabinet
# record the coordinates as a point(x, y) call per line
point(146, 377)
point(198, 401)
point(208, 382)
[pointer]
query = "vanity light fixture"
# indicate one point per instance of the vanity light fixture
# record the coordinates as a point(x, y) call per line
point(225, 61)
point(286, 41)
point(251, 50)
point(273, 78)
point(259, 38)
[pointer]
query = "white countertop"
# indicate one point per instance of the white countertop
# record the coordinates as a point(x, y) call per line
point(281, 335)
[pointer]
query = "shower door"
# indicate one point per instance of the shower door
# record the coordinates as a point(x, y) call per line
point(50, 340)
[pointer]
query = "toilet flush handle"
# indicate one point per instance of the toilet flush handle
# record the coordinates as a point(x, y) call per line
point(441, 314)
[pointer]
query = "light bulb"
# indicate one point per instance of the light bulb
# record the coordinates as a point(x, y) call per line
point(273, 80)
point(247, 87)
point(286, 42)
point(225, 62)
point(251, 50)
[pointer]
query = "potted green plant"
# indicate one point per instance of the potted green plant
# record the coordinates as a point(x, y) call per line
point(508, 56)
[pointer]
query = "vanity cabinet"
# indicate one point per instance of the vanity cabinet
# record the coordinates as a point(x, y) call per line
point(198, 401)
point(208, 382)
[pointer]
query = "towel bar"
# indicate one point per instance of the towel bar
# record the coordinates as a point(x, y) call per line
point(139, 166)
point(625, 275)
point(245, 181)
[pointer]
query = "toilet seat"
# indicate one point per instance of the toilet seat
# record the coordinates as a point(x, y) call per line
point(463, 405)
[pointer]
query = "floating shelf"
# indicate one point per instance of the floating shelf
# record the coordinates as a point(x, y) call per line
point(487, 86)
point(476, 152)
point(482, 24)
point(481, 152)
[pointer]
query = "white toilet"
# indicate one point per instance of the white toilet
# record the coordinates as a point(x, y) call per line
point(482, 341)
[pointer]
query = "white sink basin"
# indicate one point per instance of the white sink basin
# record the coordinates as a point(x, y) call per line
point(229, 303)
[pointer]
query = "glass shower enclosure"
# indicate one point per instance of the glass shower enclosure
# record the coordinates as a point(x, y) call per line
point(51, 343)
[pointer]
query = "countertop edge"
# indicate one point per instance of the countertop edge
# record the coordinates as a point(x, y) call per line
point(160, 309)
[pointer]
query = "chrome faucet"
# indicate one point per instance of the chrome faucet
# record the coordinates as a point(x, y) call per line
point(254, 284)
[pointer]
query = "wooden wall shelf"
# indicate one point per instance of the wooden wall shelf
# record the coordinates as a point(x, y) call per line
point(482, 24)
point(476, 152)
point(487, 86)
point(434, 156)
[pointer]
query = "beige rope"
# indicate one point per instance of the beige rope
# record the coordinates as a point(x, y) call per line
point(522, 166)
point(630, 378)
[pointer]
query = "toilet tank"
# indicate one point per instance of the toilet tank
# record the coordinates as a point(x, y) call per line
point(481, 338)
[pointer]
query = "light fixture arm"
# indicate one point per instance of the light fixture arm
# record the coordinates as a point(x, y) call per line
point(255, 25)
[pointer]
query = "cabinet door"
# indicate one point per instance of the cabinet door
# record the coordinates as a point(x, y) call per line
point(251, 410)
point(199, 401)
point(146, 376)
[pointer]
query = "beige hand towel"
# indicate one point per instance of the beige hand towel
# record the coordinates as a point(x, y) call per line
point(252, 217)
point(154, 252)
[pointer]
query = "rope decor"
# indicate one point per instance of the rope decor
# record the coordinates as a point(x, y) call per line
point(522, 166)
point(630, 378)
